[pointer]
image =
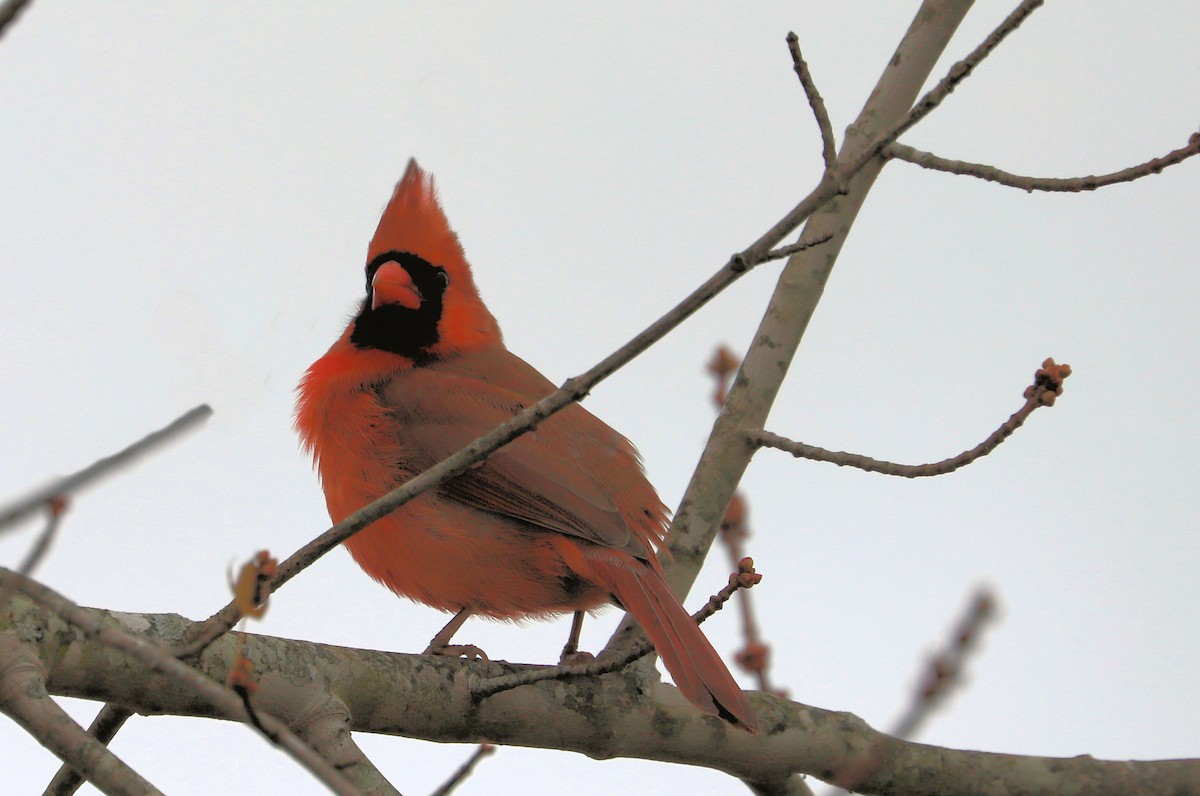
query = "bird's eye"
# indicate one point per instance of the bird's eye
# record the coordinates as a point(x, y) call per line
point(443, 278)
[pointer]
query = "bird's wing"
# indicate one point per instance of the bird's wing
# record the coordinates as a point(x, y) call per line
point(571, 475)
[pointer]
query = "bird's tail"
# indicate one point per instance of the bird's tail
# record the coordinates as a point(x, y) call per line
point(697, 669)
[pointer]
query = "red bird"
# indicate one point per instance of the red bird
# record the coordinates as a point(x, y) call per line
point(561, 520)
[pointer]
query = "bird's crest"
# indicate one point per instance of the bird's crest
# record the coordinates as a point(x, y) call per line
point(414, 222)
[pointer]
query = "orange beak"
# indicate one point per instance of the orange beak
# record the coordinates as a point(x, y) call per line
point(392, 284)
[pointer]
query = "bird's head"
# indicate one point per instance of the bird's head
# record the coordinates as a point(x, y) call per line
point(421, 301)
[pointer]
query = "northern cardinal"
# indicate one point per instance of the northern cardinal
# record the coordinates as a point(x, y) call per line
point(560, 520)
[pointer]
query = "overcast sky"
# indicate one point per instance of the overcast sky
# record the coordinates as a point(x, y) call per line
point(188, 192)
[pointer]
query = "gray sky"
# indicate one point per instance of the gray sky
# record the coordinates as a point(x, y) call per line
point(188, 194)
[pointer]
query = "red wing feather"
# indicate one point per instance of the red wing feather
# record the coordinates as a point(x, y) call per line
point(548, 477)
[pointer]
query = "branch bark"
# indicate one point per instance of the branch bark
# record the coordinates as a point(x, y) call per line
point(1029, 184)
point(618, 715)
point(24, 698)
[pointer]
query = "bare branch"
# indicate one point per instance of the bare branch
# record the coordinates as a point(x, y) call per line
point(828, 146)
point(795, 248)
point(159, 660)
point(959, 72)
point(9, 13)
point(24, 698)
point(414, 696)
point(755, 655)
point(55, 508)
point(1047, 386)
point(928, 160)
point(103, 728)
point(944, 671)
point(65, 486)
point(465, 770)
point(325, 726)
point(744, 578)
point(888, 112)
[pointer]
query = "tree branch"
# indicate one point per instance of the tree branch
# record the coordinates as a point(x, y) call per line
point(158, 660)
point(828, 145)
point(744, 578)
point(103, 729)
point(887, 113)
point(1047, 385)
point(944, 670)
point(9, 13)
point(65, 486)
point(618, 715)
point(465, 770)
point(24, 698)
point(928, 160)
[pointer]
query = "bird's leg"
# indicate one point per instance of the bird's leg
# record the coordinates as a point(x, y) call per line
point(440, 644)
point(571, 654)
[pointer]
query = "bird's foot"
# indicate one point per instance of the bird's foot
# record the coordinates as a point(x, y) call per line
point(468, 651)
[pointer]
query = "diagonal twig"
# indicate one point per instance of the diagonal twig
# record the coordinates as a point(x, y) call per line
point(944, 670)
point(464, 771)
point(9, 13)
point(55, 508)
point(888, 113)
point(744, 578)
point(959, 72)
point(793, 248)
point(103, 729)
point(828, 145)
point(64, 486)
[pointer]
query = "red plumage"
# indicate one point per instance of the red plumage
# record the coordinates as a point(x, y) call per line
point(560, 520)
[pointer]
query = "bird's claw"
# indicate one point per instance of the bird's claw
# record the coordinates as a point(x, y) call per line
point(468, 651)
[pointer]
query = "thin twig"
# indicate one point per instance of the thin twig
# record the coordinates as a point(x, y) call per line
point(9, 13)
point(726, 456)
point(1046, 387)
point(103, 728)
point(789, 250)
point(828, 145)
point(464, 770)
point(744, 578)
point(755, 655)
point(944, 671)
point(959, 72)
point(159, 660)
point(928, 160)
point(56, 506)
point(65, 486)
